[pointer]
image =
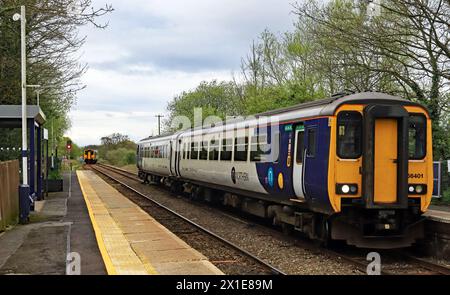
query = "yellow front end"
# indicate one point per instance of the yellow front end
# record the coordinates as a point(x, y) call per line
point(348, 171)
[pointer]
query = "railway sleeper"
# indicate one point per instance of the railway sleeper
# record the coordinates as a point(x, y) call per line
point(314, 225)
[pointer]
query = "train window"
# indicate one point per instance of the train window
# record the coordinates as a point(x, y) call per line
point(349, 137)
point(312, 143)
point(194, 150)
point(214, 150)
point(417, 136)
point(259, 148)
point(204, 151)
point(227, 149)
point(241, 149)
point(300, 147)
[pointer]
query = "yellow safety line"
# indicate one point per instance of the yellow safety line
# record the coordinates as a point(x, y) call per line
point(110, 269)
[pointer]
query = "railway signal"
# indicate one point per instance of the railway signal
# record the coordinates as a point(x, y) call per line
point(69, 145)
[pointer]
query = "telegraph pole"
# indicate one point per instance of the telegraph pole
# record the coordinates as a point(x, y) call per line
point(159, 123)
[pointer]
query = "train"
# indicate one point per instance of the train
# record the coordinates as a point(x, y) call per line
point(90, 156)
point(354, 167)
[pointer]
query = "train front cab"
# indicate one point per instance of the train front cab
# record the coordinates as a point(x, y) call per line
point(380, 174)
point(90, 157)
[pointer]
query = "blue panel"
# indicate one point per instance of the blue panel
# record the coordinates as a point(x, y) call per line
point(269, 172)
point(316, 168)
point(316, 173)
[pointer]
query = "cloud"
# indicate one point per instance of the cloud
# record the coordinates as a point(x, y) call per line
point(153, 50)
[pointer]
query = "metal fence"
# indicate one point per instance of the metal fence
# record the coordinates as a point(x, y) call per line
point(9, 193)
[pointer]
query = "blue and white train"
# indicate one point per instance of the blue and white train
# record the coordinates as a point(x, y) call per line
point(354, 167)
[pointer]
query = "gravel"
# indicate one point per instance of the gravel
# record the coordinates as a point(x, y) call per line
point(289, 254)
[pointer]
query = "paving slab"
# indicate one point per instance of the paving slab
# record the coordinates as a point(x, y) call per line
point(59, 226)
point(131, 241)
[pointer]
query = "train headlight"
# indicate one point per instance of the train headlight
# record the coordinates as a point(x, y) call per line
point(346, 189)
point(417, 189)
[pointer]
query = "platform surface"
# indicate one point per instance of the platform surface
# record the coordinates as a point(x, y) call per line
point(59, 226)
point(131, 241)
point(436, 213)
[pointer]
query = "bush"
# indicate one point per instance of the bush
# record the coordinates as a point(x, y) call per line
point(446, 196)
point(121, 157)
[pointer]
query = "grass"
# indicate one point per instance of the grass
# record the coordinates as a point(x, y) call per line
point(130, 168)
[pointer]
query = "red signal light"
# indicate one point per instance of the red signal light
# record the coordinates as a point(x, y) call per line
point(69, 145)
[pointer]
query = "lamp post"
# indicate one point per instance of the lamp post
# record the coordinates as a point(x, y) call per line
point(38, 91)
point(24, 190)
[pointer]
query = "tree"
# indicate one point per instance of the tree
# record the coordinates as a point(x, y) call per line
point(53, 42)
point(404, 50)
point(114, 139)
point(221, 99)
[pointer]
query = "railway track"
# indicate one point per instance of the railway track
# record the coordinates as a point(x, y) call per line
point(181, 229)
point(393, 262)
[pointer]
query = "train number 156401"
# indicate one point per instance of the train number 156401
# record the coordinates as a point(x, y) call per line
point(415, 175)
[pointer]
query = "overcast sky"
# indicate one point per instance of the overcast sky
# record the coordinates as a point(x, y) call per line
point(155, 49)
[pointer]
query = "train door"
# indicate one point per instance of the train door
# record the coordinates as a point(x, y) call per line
point(385, 156)
point(178, 157)
point(171, 158)
point(385, 168)
point(174, 157)
point(299, 148)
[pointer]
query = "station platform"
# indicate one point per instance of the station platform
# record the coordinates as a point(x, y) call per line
point(131, 241)
point(438, 214)
point(59, 226)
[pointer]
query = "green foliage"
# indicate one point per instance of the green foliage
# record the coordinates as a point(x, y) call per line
point(54, 174)
point(116, 149)
point(446, 196)
point(53, 41)
point(336, 45)
point(121, 157)
point(220, 99)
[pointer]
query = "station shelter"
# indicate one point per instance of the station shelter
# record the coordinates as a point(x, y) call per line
point(11, 118)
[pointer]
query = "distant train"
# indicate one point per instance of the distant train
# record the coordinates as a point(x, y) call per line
point(90, 156)
point(353, 167)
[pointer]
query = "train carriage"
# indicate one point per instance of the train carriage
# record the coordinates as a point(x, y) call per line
point(90, 156)
point(354, 167)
